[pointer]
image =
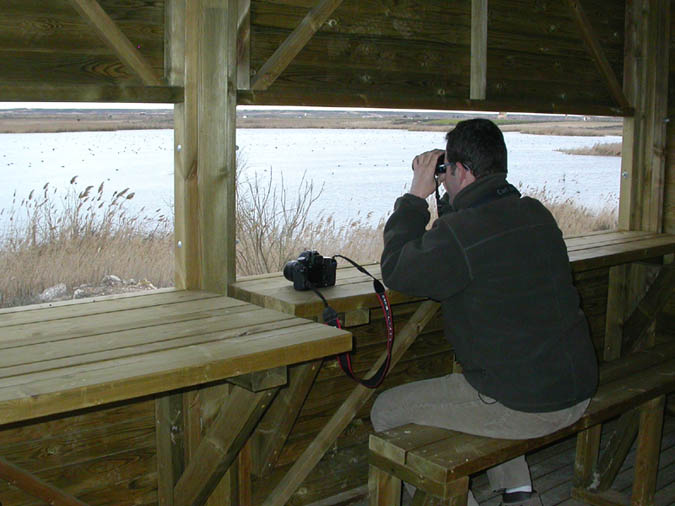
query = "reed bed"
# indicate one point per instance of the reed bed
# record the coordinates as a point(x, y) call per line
point(599, 149)
point(79, 237)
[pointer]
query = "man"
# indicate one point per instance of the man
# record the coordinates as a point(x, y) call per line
point(498, 264)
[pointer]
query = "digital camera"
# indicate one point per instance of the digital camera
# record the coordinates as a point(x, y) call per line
point(311, 270)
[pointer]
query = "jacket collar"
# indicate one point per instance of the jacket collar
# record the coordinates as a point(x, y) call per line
point(479, 190)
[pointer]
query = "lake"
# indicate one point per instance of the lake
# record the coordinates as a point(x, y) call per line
point(361, 171)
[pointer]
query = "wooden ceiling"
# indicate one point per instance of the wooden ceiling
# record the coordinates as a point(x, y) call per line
point(540, 56)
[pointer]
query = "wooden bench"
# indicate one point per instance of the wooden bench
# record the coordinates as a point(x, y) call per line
point(439, 462)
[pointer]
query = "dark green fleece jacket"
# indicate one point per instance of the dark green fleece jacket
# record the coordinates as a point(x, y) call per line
point(498, 264)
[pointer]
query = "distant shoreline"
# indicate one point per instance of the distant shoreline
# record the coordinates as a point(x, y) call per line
point(54, 121)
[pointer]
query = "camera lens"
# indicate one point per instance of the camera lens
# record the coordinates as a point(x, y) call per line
point(289, 268)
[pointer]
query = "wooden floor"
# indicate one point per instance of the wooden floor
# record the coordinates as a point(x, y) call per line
point(552, 470)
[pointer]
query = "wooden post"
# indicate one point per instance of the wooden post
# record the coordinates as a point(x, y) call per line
point(384, 489)
point(588, 447)
point(216, 142)
point(479, 31)
point(647, 453)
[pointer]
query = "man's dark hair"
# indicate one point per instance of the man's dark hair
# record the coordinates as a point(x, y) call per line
point(478, 144)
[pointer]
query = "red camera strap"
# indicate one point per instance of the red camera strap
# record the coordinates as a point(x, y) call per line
point(330, 317)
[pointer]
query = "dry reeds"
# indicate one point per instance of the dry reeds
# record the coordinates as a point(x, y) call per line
point(81, 237)
point(599, 149)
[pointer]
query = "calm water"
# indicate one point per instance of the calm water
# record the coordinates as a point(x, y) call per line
point(361, 171)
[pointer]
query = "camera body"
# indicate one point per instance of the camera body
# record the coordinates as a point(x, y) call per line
point(311, 270)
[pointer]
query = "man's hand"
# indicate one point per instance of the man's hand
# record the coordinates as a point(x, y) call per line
point(424, 166)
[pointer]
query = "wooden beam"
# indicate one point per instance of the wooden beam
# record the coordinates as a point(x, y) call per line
point(294, 43)
point(244, 45)
point(479, 31)
point(216, 148)
point(34, 486)
point(90, 93)
point(598, 55)
point(345, 413)
point(383, 98)
point(108, 30)
point(220, 446)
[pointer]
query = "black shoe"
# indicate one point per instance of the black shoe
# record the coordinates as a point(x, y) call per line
point(521, 499)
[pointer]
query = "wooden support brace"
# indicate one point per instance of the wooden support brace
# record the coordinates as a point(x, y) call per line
point(294, 44)
point(220, 446)
point(275, 426)
point(108, 30)
point(244, 45)
point(617, 450)
point(34, 486)
point(649, 307)
point(647, 453)
point(479, 31)
point(593, 46)
point(345, 413)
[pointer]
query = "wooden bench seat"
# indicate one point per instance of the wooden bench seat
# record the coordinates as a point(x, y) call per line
point(439, 462)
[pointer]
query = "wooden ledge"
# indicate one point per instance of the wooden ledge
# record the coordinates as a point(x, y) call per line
point(354, 290)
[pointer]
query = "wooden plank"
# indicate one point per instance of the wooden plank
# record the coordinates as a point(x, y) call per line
point(35, 486)
point(216, 171)
point(275, 426)
point(97, 324)
point(261, 380)
point(116, 40)
point(220, 446)
point(479, 34)
point(599, 58)
point(294, 44)
point(607, 498)
point(99, 305)
point(84, 92)
point(112, 380)
point(647, 453)
point(347, 410)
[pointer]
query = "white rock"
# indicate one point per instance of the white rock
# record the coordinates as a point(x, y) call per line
point(79, 294)
point(111, 279)
point(53, 292)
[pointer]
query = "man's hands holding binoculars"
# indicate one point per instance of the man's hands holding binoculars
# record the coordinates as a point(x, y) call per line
point(424, 172)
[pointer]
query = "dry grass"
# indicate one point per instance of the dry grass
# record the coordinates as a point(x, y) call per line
point(80, 237)
point(599, 149)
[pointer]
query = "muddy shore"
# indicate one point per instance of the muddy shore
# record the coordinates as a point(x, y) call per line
point(73, 120)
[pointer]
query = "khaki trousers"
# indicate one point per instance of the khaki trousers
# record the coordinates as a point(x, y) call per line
point(452, 403)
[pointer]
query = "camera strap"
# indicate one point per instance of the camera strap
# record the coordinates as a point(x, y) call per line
point(330, 317)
